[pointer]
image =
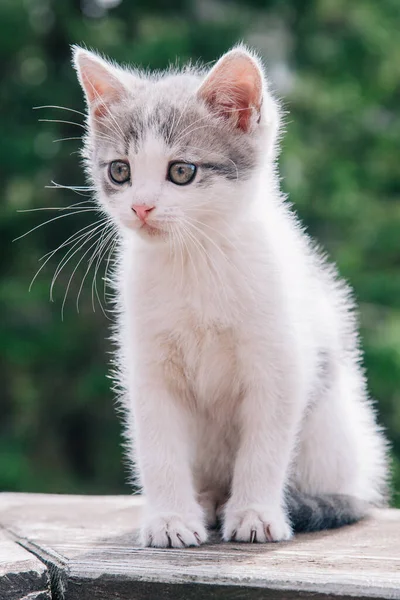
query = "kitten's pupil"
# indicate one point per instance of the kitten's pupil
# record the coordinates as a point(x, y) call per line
point(181, 173)
point(119, 171)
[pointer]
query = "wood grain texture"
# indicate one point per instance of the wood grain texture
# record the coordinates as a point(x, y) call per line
point(90, 545)
point(22, 575)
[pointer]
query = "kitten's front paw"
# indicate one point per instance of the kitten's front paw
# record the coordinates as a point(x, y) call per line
point(256, 524)
point(172, 531)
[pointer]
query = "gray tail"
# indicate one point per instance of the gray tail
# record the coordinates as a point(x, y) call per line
point(327, 511)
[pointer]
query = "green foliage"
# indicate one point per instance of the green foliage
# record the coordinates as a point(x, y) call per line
point(337, 66)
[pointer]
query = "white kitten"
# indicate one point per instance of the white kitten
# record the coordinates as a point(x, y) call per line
point(237, 346)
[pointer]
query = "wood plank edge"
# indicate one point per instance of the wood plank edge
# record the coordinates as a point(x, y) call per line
point(23, 576)
point(56, 565)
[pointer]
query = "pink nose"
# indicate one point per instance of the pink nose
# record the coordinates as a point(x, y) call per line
point(142, 211)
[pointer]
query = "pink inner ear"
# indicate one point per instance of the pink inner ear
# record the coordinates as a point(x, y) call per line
point(234, 89)
point(100, 94)
point(100, 85)
point(94, 88)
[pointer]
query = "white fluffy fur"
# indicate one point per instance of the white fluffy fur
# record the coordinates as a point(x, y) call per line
point(237, 348)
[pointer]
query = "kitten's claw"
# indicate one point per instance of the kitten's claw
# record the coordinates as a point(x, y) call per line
point(268, 535)
point(172, 531)
point(256, 525)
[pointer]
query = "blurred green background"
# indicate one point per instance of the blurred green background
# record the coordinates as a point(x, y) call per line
point(335, 63)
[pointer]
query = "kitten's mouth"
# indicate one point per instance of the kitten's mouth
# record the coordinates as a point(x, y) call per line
point(151, 230)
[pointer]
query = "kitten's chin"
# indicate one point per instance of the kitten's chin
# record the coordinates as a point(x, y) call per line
point(151, 232)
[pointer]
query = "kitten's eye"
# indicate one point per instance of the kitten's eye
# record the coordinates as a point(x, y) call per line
point(181, 173)
point(119, 171)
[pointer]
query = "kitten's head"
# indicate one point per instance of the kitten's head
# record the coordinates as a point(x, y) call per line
point(177, 151)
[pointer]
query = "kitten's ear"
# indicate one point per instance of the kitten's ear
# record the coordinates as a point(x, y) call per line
point(99, 81)
point(234, 88)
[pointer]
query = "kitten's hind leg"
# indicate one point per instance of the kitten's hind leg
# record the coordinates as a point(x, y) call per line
point(340, 447)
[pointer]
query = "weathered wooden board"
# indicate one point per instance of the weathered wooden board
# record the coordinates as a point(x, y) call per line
point(22, 575)
point(91, 544)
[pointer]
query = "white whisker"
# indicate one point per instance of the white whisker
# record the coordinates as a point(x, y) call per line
point(90, 262)
point(50, 254)
point(61, 121)
point(59, 208)
point(71, 252)
point(102, 252)
point(80, 190)
point(108, 260)
point(72, 276)
point(78, 112)
point(71, 187)
point(67, 139)
point(76, 212)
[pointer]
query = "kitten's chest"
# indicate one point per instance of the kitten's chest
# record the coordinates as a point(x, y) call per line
point(193, 328)
point(197, 336)
point(201, 360)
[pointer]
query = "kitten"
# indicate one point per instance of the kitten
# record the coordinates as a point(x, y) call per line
point(237, 345)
